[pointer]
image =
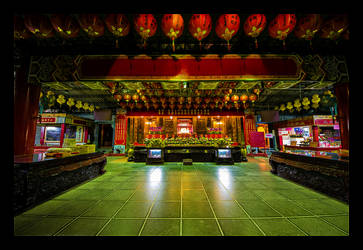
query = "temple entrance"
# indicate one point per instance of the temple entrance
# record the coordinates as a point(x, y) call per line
point(105, 136)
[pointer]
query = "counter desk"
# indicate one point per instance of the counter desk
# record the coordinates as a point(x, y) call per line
point(324, 172)
point(38, 178)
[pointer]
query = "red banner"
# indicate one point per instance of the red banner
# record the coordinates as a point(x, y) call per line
point(250, 126)
point(187, 67)
point(120, 130)
point(257, 139)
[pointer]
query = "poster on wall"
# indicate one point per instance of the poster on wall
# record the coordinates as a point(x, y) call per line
point(79, 134)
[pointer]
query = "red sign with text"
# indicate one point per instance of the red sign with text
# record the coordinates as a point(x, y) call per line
point(257, 139)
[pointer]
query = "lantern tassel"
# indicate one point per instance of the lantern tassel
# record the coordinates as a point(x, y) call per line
point(117, 43)
point(228, 45)
point(283, 44)
point(200, 45)
point(311, 44)
point(256, 44)
point(173, 44)
point(144, 43)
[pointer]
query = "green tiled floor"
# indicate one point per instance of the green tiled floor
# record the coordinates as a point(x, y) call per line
point(205, 199)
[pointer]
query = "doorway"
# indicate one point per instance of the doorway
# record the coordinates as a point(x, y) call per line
point(105, 135)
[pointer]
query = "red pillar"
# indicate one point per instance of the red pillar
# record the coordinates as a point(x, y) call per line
point(63, 129)
point(26, 105)
point(342, 94)
point(316, 134)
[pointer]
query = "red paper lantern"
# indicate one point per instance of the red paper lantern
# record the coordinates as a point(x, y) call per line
point(281, 26)
point(135, 97)
point(118, 97)
point(200, 26)
point(91, 24)
point(172, 100)
point(156, 105)
point(254, 25)
point(164, 105)
point(172, 26)
point(207, 100)
point(181, 99)
point(163, 99)
point(226, 98)
point(252, 97)
point(118, 25)
point(307, 26)
point(172, 106)
point(20, 31)
point(139, 105)
point(145, 25)
point(39, 25)
point(179, 105)
point(244, 97)
point(235, 98)
point(334, 27)
point(144, 98)
point(198, 99)
point(65, 25)
point(227, 26)
point(127, 97)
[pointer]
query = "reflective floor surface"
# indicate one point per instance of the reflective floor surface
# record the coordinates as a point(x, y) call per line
point(205, 199)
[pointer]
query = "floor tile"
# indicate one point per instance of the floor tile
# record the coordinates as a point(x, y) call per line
point(258, 208)
point(169, 195)
point(83, 227)
point(134, 209)
point(196, 210)
point(224, 209)
point(104, 209)
point(200, 227)
point(194, 195)
point(316, 227)
point(288, 208)
point(122, 227)
point(164, 227)
point(340, 221)
point(22, 222)
point(278, 227)
point(73, 208)
point(243, 227)
point(46, 208)
point(144, 195)
point(319, 207)
point(45, 227)
point(165, 209)
point(120, 195)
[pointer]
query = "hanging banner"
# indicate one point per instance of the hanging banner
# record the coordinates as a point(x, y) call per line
point(250, 126)
point(120, 130)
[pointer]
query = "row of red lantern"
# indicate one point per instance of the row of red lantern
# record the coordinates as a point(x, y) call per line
point(180, 100)
point(200, 26)
point(173, 106)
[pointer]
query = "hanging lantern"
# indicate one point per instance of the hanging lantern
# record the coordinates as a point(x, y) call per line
point(305, 101)
point(226, 98)
point(188, 105)
point(307, 26)
point(147, 105)
point(220, 105)
point(154, 99)
point(131, 105)
point(155, 105)
point(207, 100)
point(297, 103)
point(244, 97)
point(252, 98)
point(172, 100)
point(227, 26)
point(212, 105)
point(91, 108)
point(315, 99)
point(91, 24)
point(229, 106)
point(172, 106)
point(127, 97)
point(282, 107)
point(123, 105)
point(79, 104)
point(198, 100)
point(254, 25)
point(85, 106)
point(20, 31)
point(289, 106)
point(39, 25)
point(181, 99)
point(65, 25)
point(281, 26)
point(139, 105)
point(315, 105)
point(135, 97)
point(117, 97)
point(235, 98)
point(237, 105)
point(172, 26)
point(257, 91)
point(179, 105)
point(70, 102)
point(145, 25)
point(216, 100)
point(204, 106)
point(334, 27)
point(189, 99)
point(118, 25)
point(61, 99)
point(144, 99)
point(200, 26)
point(164, 105)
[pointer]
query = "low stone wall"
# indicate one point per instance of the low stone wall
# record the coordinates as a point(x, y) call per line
point(36, 182)
point(327, 176)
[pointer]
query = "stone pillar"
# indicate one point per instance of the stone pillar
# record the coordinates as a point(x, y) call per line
point(26, 106)
point(342, 94)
